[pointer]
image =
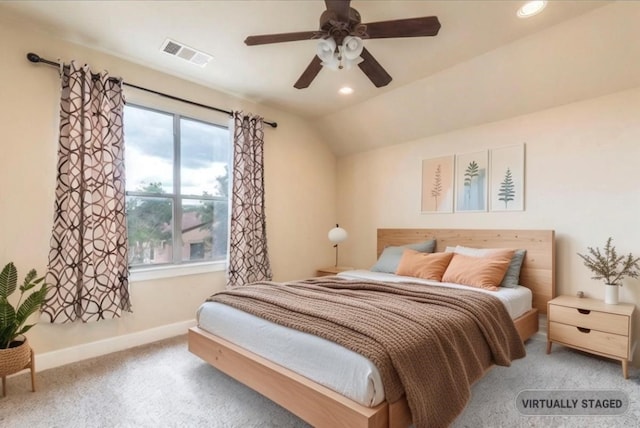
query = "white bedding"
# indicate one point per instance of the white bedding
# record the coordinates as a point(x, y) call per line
point(517, 300)
point(318, 359)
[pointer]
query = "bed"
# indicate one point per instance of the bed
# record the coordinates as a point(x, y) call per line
point(322, 406)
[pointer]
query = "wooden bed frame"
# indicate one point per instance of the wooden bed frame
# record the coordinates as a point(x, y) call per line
point(322, 407)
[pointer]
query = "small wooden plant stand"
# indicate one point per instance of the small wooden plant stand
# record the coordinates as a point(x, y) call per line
point(31, 365)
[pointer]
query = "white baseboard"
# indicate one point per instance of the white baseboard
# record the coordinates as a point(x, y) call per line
point(49, 360)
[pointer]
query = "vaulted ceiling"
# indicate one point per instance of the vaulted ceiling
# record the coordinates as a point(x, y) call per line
point(438, 82)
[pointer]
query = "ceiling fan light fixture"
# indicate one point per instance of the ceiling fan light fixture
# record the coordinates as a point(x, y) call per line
point(341, 24)
point(531, 8)
point(340, 57)
point(345, 90)
point(326, 51)
point(352, 47)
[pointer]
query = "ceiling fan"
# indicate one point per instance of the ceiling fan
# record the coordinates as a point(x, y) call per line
point(340, 40)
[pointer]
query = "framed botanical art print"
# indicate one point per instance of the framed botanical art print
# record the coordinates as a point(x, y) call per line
point(471, 182)
point(507, 178)
point(437, 185)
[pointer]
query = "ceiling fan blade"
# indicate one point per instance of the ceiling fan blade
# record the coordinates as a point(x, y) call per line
point(410, 27)
point(279, 38)
point(373, 69)
point(309, 74)
point(340, 7)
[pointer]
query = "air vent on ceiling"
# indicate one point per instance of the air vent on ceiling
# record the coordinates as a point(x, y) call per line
point(180, 50)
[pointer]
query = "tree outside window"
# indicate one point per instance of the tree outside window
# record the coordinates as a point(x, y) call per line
point(177, 188)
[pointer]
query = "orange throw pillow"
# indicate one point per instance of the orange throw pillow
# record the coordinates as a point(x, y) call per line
point(423, 265)
point(481, 272)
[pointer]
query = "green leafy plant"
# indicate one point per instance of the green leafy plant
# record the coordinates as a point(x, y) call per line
point(607, 265)
point(12, 320)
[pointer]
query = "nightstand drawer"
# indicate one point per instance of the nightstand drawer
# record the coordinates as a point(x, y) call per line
point(602, 321)
point(590, 340)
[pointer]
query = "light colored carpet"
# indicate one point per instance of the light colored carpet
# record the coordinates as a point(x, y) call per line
point(163, 385)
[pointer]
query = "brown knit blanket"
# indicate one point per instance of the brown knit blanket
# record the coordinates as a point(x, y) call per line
point(429, 343)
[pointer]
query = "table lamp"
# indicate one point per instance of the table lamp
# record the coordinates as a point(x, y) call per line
point(337, 235)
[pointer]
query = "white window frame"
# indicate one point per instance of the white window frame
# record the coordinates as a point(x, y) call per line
point(178, 267)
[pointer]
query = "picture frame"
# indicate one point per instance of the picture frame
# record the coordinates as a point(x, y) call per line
point(471, 181)
point(507, 178)
point(437, 184)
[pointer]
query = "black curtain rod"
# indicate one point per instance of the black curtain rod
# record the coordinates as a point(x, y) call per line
point(35, 58)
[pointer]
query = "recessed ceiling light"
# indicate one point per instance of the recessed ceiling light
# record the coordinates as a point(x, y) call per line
point(531, 8)
point(345, 90)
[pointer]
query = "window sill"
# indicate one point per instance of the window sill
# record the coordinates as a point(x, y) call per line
point(158, 272)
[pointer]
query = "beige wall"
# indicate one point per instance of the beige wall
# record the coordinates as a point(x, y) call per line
point(581, 169)
point(300, 183)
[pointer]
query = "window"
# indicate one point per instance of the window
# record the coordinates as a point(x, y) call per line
point(196, 250)
point(177, 172)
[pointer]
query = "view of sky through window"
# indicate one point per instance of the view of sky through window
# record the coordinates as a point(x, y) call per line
point(149, 152)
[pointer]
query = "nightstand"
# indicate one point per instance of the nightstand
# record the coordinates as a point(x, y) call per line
point(592, 326)
point(332, 270)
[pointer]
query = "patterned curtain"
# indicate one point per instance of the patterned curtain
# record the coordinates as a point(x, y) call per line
point(88, 268)
point(248, 258)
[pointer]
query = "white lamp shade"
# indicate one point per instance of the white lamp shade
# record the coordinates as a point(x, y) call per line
point(352, 47)
point(337, 235)
point(325, 49)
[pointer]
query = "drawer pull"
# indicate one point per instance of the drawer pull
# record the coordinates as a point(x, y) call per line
point(584, 311)
point(583, 330)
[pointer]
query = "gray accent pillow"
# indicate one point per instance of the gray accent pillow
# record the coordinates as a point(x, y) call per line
point(512, 276)
point(390, 257)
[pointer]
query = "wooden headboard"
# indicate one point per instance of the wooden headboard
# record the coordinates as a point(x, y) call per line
point(538, 271)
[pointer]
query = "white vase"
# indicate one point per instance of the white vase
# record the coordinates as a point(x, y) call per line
point(611, 294)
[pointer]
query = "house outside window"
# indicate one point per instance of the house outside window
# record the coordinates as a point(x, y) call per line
point(177, 174)
point(196, 250)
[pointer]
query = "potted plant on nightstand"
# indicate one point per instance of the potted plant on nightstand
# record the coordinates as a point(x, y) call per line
point(15, 353)
point(610, 267)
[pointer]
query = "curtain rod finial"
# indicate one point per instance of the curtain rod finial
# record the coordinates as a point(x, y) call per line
point(33, 57)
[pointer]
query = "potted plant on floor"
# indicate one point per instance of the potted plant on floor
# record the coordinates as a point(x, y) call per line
point(611, 268)
point(15, 353)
